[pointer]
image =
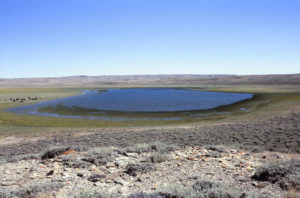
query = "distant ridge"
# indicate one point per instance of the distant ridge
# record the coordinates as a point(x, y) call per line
point(152, 80)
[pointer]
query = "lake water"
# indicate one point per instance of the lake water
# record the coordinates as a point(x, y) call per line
point(150, 100)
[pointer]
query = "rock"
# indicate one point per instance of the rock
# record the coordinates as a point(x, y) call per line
point(193, 178)
point(241, 179)
point(109, 181)
point(53, 152)
point(50, 173)
point(8, 183)
point(110, 165)
point(100, 184)
point(133, 155)
point(69, 152)
point(80, 174)
point(249, 169)
point(7, 172)
point(190, 158)
point(120, 151)
point(261, 184)
point(120, 163)
point(121, 182)
point(66, 174)
point(182, 154)
point(214, 154)
point(93, 167)
point(96, 177)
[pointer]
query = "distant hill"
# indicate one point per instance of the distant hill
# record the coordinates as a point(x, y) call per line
point(152, 80)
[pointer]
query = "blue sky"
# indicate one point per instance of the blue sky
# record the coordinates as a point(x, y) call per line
point(119, 37)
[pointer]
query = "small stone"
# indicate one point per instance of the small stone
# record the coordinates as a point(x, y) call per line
point(193, 177)
point(80, 174)
point(93, 167)
point(133, 154)
point(7, 172)
point(100, 184)
point(7, 183)
point(249, 169)
point(96, 178)
point(191, 158)
point(154, 186)
point(242, 180)
point(50, 173)
point(66, 174)
point(120, 181)
point(110, 165)
point(109, 181)
point(260, 184)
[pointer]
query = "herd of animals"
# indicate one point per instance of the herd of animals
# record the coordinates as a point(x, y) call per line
point(24, 99)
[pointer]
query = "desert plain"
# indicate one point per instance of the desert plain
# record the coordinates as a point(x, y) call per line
point(255, 153)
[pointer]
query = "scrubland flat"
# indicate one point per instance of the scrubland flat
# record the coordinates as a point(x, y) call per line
point(240, 154)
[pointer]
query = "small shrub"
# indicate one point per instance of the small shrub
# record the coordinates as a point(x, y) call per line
point(99, 156)
point(32, 190)
point(214, 189)
point(133, 169)
point(214, 154)
point(138, 148)
point(150, 147)
point(18, 158)
point(271, 173)
point(176, 191)
point(94, 193)
point(292, 193)
point(286, 174)
point(218, 148)
point(98, 160)
point(2, 160)
point(53, 151)
point(74, 162)
point(120, 151)
point(201, 189)
point(79, 148)
point(101, 151)
point(158, 157)
point(145, 195)
point(6, 193)
point(95, 177)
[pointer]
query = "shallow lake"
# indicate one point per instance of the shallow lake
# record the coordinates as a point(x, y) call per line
point(138, 100)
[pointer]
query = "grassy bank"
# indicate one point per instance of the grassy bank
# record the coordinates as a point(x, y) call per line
point(266, 100)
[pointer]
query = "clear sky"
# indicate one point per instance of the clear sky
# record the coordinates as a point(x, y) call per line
point(118, 37)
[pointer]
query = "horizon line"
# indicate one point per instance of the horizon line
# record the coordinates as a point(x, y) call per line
point(111, 75)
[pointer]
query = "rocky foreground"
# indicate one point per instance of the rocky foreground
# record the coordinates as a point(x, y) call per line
point(151, 170)
point(258, 158)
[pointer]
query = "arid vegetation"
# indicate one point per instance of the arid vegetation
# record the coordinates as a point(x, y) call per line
point(253, 153)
